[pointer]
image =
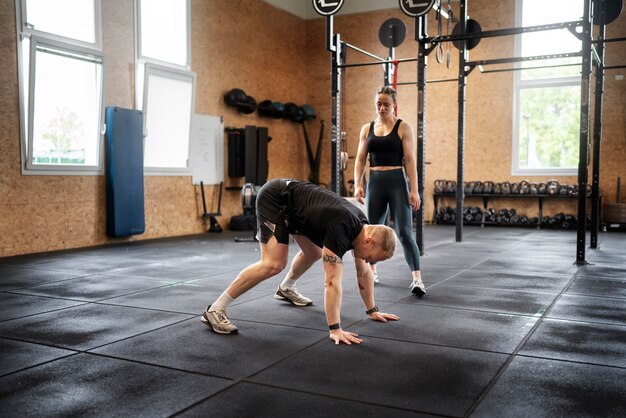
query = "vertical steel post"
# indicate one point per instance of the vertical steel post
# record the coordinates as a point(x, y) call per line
point(335, 130)
point(585, 92)
point(463, 56)
point(597, 129)
point(420, 35)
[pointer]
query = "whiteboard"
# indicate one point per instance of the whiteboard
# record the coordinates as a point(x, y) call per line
point(206, 149)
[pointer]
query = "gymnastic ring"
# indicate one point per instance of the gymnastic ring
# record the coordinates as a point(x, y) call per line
point(344, 160)
point(439, 53)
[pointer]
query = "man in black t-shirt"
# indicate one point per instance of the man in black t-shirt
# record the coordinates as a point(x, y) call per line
point(324, 225)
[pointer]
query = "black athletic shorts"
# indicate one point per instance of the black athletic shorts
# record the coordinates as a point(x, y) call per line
point(271, 211)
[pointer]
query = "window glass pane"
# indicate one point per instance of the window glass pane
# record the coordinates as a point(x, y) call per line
point(539, 12)
point(549, 127)
point(66, 110)
point(164, 30)
point(168, 119)
point(73, 19)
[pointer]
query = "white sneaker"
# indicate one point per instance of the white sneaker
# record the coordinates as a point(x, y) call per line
point(375, 277)
point(218, 322)
point(292, 296)
point(418, 288)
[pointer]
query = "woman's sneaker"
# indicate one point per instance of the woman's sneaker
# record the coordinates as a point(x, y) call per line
point(218, 322)
point(417, 288)
point(292, 296)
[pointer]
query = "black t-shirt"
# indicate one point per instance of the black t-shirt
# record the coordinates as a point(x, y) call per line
point(323, 216)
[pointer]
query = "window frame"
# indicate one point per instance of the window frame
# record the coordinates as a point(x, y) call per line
point(89, 56)
point(144, 59)
point(175, 74)
point(520, 84)
point(26, 75)
point(144, 65)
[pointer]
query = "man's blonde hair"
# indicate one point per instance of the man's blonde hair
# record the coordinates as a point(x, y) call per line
point(386, 238)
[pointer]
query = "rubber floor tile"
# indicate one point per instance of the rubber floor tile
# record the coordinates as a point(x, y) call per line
point(222, 280)
point(593, 286)
point(512, 280)
point(173, 270)
point(82, 264)
point(608, 256)
point(18, 278)
point(271, 311)
point(17, 355)
point(94, 288)
point(590, 309)
point(17, 306)
point(450, 259)
point(251, 400)
point(86, 326)
point(88, 385)
point(417, 377)
point(485, 299)
point(581, 342)
point(184, 297)
point(450, 327)
point(511, 264)
point(192, 346)
point(599, 271)
point(532, 387)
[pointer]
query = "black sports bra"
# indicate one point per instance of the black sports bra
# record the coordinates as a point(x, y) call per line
point(385, 150)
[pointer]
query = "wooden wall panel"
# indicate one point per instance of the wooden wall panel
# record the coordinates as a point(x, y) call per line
point(232, 46)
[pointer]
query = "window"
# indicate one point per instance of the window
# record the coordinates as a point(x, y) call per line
point(546, 131)
point(168, 106)
point(60, 66)
point(165, 85)
point(164, 34)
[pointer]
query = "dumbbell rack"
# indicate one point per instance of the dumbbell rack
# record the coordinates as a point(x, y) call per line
point(487, 196)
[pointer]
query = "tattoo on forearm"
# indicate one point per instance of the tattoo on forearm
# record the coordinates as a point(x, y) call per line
point(331, 259)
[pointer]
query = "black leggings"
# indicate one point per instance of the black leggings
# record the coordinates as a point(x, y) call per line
point(390, 188)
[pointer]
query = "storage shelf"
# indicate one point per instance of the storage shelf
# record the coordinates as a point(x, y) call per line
point(486, 196)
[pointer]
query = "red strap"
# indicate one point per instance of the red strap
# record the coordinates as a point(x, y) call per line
point(396, 64)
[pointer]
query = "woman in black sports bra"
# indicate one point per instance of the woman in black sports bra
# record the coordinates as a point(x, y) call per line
point(392, 184)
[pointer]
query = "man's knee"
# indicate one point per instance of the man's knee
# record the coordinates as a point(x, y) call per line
point(313, 254)
point(273, 267)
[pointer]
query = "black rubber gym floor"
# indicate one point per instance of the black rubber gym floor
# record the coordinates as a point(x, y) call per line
point(510, 327)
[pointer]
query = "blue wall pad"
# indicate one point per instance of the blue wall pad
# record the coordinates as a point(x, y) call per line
point(124, 172)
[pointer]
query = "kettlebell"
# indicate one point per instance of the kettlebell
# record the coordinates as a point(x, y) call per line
point(552, 187)
point(524, 187)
